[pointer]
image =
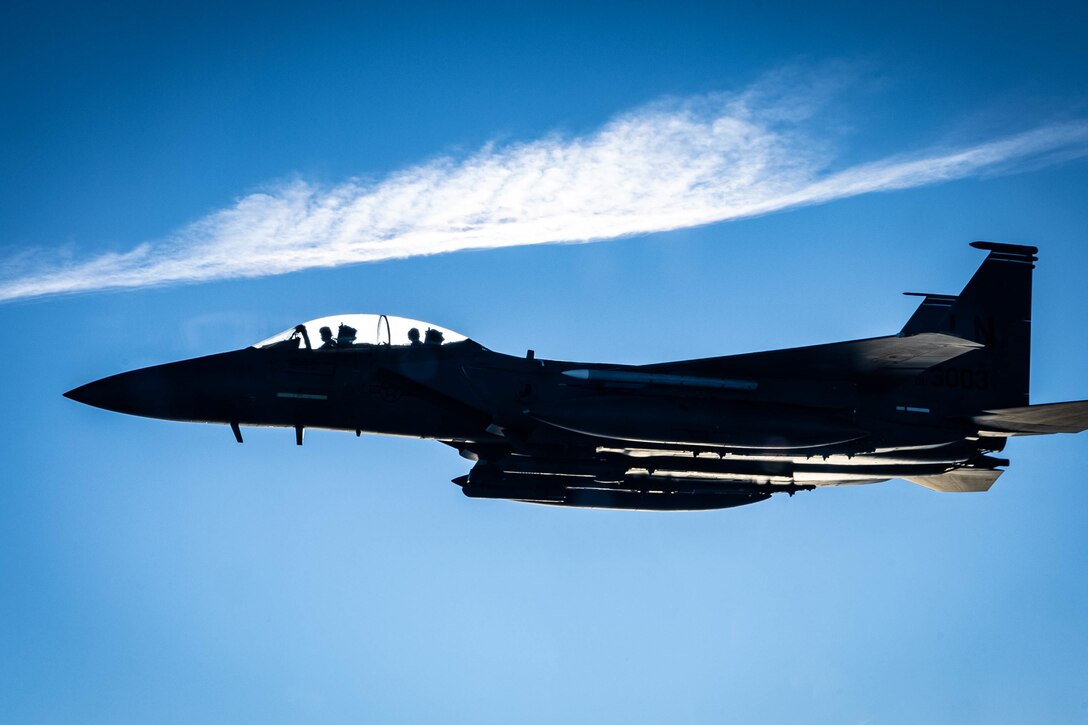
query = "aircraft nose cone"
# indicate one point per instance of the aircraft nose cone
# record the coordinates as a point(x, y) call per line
point(156, 392)
point(124, 393)
point(204, 389)
point(96, 393)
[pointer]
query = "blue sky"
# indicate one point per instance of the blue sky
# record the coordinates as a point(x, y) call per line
point(766, 178)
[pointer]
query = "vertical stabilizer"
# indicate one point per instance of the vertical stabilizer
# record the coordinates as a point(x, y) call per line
point(994, 309)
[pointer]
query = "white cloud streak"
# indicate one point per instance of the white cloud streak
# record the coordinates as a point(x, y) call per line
point(666, 166)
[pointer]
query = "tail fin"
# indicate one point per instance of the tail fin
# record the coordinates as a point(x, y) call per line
point(994, 309)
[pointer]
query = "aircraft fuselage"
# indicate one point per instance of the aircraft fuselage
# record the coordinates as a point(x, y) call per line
point(928, 405)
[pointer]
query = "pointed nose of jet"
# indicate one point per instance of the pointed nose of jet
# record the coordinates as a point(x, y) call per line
point(140, 392)
point(210, 388)
point(100, 394)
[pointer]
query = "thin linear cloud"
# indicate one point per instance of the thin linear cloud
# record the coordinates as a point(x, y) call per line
point(668, 165)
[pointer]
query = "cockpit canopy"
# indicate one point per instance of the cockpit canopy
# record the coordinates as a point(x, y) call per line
point(338, 332)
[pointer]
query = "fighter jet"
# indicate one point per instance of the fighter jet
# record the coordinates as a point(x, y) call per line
point(930, 404)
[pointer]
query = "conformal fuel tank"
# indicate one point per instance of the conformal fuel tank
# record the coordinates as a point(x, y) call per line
point(694, 421)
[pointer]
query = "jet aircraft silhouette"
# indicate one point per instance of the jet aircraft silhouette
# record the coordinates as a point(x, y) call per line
point(930, 404)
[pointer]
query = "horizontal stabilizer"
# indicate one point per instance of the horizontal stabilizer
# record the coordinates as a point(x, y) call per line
point(873, 357)
point(963, 480)
point(1071, 417)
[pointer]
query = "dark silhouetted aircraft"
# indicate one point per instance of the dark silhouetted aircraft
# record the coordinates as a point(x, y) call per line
point(929, 404)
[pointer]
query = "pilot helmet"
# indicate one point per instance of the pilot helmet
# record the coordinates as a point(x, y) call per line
point(345, 335)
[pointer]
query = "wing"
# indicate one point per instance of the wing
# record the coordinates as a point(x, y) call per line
point(875, 357)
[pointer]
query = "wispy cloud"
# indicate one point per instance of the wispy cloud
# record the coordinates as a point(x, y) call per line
point(668, 165)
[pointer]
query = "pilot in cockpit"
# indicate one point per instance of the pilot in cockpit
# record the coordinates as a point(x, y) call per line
point(327, 341)
point(345, 336)
point(433, 337)
point(301, 330)
point(413, 336)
